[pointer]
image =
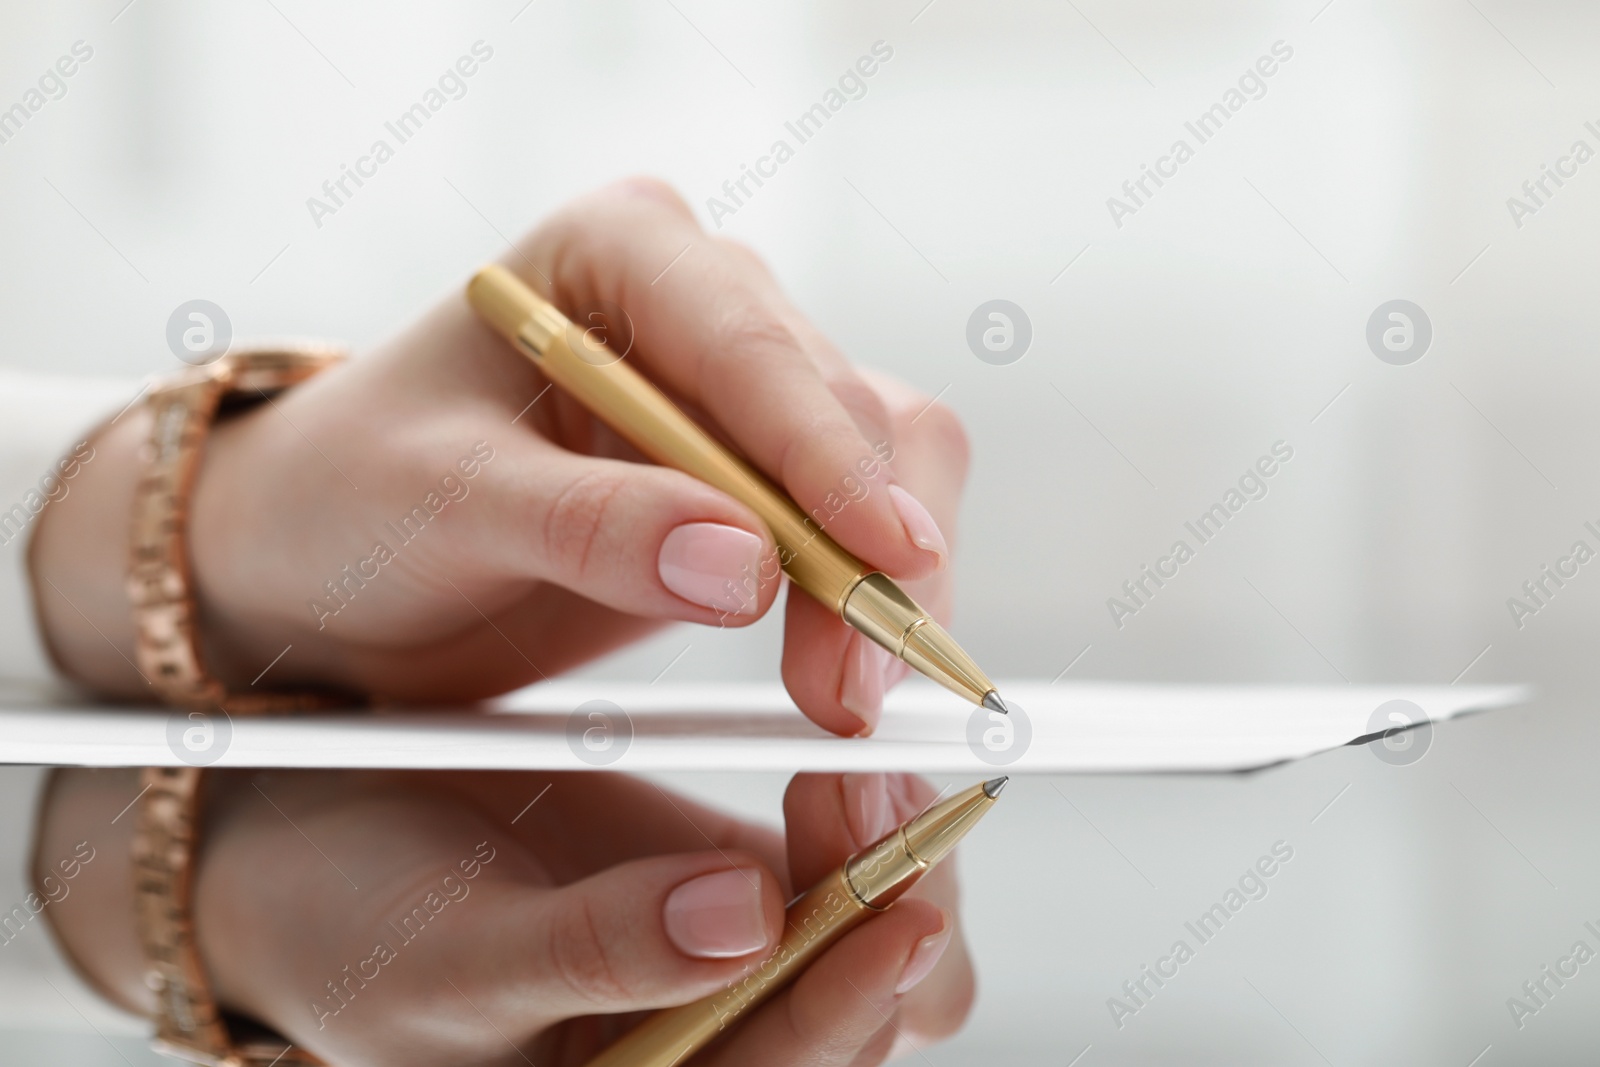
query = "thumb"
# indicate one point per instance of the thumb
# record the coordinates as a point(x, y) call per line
point(645, 934)
point(641, 539)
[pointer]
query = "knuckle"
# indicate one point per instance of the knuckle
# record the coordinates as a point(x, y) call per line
point(746, 329)
point(577, 952)
point(649, 187)
point(744, 257)
point(600, 225)
point(863, 402)
point(576, 520)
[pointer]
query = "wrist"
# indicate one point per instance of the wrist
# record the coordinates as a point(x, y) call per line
point(225, 549)
point(238, 538)
point(80, 552)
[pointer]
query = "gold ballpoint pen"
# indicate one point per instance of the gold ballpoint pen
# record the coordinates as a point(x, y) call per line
point(868, 883)
point(622, 398)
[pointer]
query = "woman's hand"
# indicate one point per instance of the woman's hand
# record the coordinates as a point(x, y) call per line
point(429, 523)
point(404, 918)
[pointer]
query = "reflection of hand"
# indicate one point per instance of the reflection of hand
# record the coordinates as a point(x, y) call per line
point(512, 937)
point(564, 545)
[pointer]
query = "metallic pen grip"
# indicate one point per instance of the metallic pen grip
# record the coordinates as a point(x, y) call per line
point(880, 875)
point(884, 612)
point(814, 921)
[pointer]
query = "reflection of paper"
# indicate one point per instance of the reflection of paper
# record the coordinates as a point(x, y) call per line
point(1081, 727)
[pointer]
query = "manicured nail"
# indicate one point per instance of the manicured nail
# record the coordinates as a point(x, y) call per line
point(925, 956)
point(866, 807)
point(717, 916)
point(920, 527)
point(861, 688)
point(712, 565)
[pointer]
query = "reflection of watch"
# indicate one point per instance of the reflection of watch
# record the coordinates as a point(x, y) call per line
point(189, 1025)
point(167, 650)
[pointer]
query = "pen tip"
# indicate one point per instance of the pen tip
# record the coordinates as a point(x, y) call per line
point(992, 787)
point(992, 701)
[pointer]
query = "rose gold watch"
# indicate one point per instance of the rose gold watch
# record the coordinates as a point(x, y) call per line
point(159, 581)
point(189, 1024)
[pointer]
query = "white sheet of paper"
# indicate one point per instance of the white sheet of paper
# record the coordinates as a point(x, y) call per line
point(1095, 727)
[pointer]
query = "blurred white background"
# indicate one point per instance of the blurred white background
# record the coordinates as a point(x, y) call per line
point(1228, 313)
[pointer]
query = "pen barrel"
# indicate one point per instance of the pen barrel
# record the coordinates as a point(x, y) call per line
point(643, 416)
point(814, 921)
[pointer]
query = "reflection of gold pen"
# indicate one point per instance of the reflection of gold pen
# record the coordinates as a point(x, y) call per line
point(869, 882)
point(621, 397)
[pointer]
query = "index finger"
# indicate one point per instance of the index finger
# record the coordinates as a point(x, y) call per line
point(712, 331)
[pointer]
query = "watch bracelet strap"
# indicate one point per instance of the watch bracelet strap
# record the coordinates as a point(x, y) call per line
point(188, 1024)
point(160, 582)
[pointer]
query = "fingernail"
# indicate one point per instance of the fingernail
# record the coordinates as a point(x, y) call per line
point(712, 565)
point(861, 688)
point(716, 916)
point(866, 807)
point(925, 956)
point(920, 527)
